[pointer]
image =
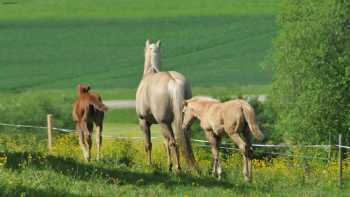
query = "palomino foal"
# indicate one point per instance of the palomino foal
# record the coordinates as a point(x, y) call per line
point(88, 109)
point(233, 117)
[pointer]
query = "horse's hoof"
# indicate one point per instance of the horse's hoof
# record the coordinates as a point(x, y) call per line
point(178, 171)
point(247, 179)
point(98, 157)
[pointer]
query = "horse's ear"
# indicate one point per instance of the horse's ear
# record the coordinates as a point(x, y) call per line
point(80, 88)
point(185, 103)
point(148, 42)
point(83, 88)
point(158, 43)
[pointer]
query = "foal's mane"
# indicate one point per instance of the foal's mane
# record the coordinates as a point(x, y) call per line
point(203, 98)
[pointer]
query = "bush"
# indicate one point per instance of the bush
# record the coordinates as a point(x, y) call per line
point(31, 108)
point(311, 70)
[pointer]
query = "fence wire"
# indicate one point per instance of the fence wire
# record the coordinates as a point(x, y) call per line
point(200, 143)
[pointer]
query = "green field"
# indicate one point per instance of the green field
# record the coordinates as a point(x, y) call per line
point(57, 44)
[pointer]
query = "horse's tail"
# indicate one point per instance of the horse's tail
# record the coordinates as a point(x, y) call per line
point(249, 116)
point(179, 91)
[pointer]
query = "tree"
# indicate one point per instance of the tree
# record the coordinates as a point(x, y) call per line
point(312, 70)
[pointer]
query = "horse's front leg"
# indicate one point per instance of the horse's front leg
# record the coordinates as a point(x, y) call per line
point(99, 128)
point(99, 141)
point(145, 127)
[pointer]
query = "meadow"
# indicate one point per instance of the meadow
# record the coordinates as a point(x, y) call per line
point(28, 170)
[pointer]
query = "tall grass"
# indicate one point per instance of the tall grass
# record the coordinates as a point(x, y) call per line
point(123, 171)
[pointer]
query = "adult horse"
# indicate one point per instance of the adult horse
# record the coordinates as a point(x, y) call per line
point(88, 109)
point(233, 117)
point(159, 100)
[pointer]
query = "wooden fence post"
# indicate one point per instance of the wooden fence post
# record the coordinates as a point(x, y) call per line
point(49, 132)
point(340, 162)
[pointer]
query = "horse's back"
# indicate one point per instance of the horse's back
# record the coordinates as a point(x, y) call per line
point(213, 119)
point(154, 95)
point(83, 109)
point(232, 113)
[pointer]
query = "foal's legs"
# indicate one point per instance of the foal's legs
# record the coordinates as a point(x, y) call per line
point(99, 128)
point(249, 153)
point(245, 152)
point(145, 127)
point(214, 142)
point(81, 126)
point(99, 140)
point(169, 136)
point(88, 139)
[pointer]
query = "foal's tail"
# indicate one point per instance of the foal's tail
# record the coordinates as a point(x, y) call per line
point(249, 116)
point(96, 100)
point(179, 90)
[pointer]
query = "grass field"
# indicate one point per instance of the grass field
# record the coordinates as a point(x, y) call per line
point(57, 44)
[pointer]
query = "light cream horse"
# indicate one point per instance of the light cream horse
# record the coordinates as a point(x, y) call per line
point(159, 100)
point(233, 117)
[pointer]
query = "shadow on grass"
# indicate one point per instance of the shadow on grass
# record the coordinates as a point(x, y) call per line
point(84, 171)
point(26, 191)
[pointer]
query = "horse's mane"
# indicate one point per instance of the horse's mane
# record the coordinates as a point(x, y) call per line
point(152, 61)
point(203, 98)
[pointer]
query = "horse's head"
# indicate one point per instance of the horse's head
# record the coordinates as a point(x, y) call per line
point(189, 114)
point(82, 88)
point(152, 57)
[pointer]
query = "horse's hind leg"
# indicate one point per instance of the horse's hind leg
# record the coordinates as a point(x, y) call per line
point(168, 151)
point(249, 153)
point(88, 140)
point(169, 134)
point(245, 152)
point(81, 127)
point(145, 127)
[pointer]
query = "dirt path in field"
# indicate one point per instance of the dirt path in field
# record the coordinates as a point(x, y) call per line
point(120, 104)
point(123, 104)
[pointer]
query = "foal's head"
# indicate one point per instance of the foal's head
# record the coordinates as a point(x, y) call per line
point(82, 89)
point(152, 57)
point(190, 113)
point(194, 107)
